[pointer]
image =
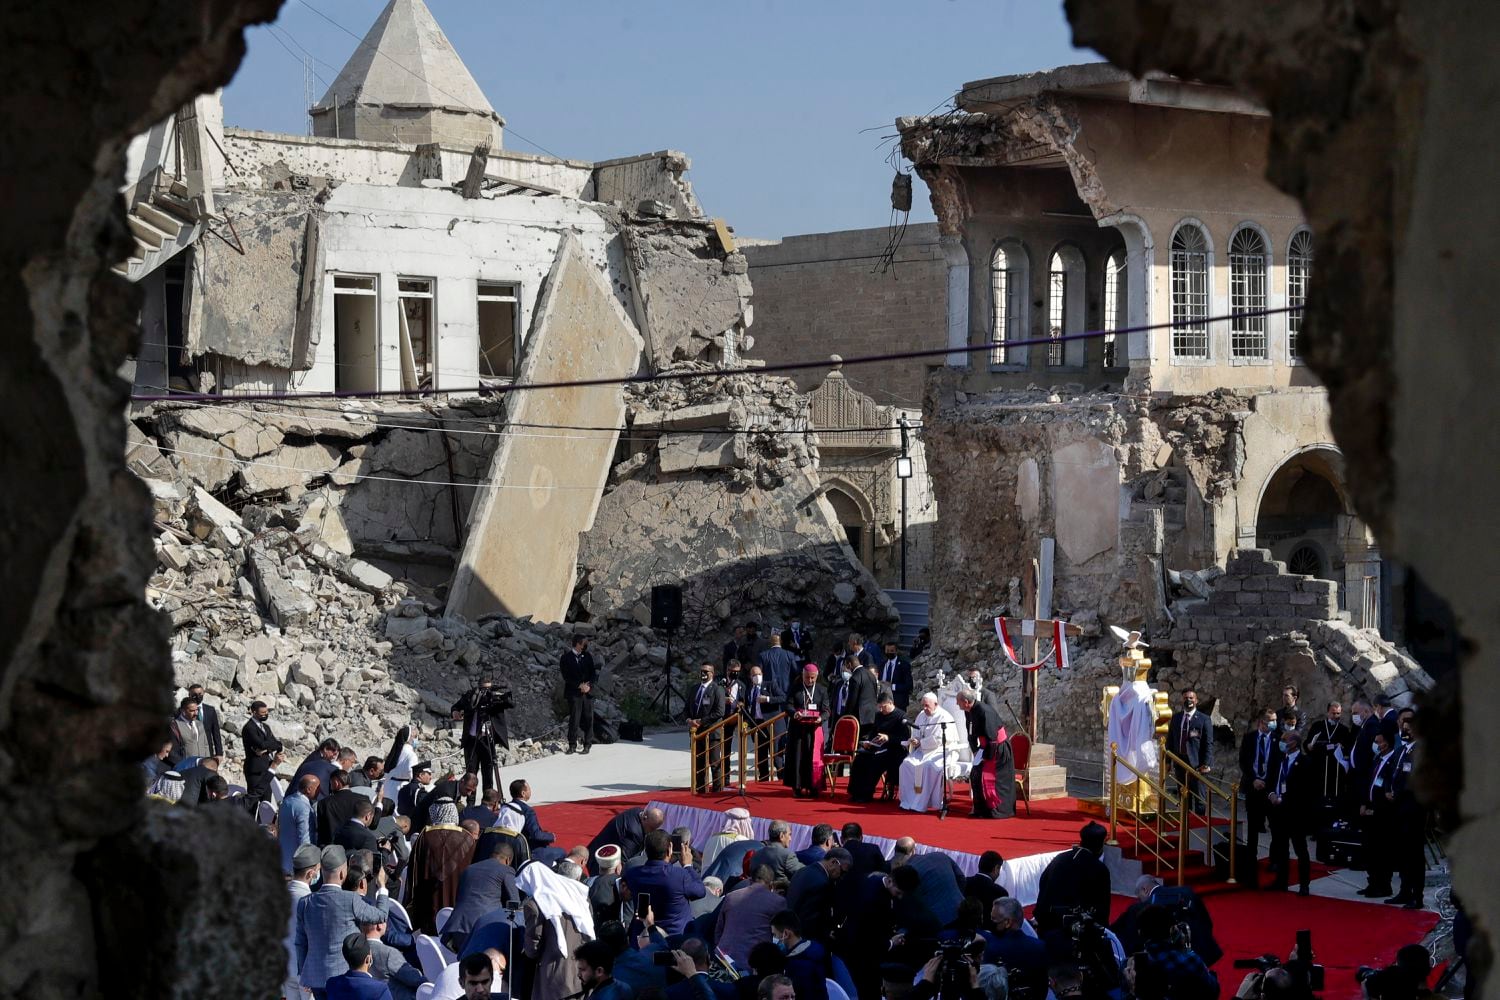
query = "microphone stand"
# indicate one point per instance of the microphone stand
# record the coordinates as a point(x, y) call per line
point(943, 811)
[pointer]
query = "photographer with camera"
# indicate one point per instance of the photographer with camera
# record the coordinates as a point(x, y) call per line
point(1186, 976)
point(483, 710)
point(1299, 978)
point(953, 973)
point(1075, 878)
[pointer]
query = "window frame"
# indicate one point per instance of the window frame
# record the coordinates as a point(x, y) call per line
point(1115, 306)
point(1299, 296)
point(1190, 322)
point(515, 300)
point(1249, 291)
point(1014, 311)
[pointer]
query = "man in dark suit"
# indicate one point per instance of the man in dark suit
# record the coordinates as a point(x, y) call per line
point(823, 841)
point(753, 645)
point(354, 834)
point(1257, 750)
point(864, 688)
point(810, 894)
point(1075, 878)
point(195, 779)
point(983, 886)
point(333, 809)
point(867, 857)
point(895, 673)
point(732, 647)
point(262, 752)
point(411, 800)
point(705, 708)
point(1191, 736)
point(987, 695)
point(482, 710)
point(482, 888)
point(1293, 800)
point(781, 669)
point(580, 674)
point(209, 717)
point(357, 983)
point(321, 764)
point(670, 884)
point(1377, 815)
point(758, 705)
point(627, 831)
point(797, 638)
point(1410, 843)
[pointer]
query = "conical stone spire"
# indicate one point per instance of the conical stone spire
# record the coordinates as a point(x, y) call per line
point(405, 83)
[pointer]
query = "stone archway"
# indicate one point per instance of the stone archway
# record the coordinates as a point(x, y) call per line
point(1298, 517)
point(853, 516)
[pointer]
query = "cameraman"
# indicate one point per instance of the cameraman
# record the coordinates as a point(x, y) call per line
point(1187, 978)
point(953, 974)
point(483, 713)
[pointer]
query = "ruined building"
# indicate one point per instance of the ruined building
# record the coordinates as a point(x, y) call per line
point(1134, 465)
point(324, 408)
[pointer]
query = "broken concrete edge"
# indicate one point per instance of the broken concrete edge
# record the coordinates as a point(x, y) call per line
point(460, 599)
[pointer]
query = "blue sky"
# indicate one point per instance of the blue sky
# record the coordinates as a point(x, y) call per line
point(782, 106)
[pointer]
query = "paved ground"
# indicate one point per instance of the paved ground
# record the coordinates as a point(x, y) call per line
point(617, 769)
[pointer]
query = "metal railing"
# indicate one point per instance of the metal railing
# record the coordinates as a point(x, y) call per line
point(732, 736)
point(1200, 786)
point(1162, 824)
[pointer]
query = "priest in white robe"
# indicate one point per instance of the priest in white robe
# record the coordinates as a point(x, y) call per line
point(1132, 727)
point(933, 751)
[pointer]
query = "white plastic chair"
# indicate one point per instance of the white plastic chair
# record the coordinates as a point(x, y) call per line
point(265, 813)
point(395, 904)
point(278, 791)
point(446, 985)
point(236, 790)
point(442, 917)
point(835, 991)
point(430, 955)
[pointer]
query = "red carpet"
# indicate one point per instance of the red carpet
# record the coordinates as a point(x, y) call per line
point(1247, 923)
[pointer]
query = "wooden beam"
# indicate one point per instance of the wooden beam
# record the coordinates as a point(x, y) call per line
point(474, 179)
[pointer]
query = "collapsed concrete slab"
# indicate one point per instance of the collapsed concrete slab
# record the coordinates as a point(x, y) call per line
point(542, 492)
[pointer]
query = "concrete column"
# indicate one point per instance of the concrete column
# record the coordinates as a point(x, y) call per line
point(958, 298)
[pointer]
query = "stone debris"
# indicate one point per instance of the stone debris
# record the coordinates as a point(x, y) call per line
point(274, 610)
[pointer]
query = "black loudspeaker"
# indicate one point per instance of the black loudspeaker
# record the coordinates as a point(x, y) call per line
point(666, 606)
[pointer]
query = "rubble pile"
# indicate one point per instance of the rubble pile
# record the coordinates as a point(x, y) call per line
point(720, 494)
point(263, 606)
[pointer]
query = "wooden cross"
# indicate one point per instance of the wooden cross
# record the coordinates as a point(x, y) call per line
point(1017, 627)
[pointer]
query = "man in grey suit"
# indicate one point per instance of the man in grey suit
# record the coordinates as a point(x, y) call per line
point(389, 966)
point(305, 862)
point(330, 914)
point(777, 854)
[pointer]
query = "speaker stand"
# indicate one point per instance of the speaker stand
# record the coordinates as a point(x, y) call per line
point(663, 700)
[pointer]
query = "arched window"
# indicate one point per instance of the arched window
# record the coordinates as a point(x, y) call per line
point(1299, 258)
point(1057, 307)
point(1008, 280)
point(1114, 306)
point(1247, 294)
point(1189, 293)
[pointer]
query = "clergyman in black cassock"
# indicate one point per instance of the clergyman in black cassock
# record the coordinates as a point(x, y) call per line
point(882, 746)
point(808, 705)
point(992, 778)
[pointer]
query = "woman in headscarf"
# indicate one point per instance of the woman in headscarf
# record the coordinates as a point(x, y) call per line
point(558, 920)
point(736, 827)
point(931, 751)
point(438, 858)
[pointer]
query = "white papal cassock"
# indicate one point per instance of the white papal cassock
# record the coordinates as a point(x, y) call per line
point(922, 770)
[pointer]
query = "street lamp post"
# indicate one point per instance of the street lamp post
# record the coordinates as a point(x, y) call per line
point(903, 473)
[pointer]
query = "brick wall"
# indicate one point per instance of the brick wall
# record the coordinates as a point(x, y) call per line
point(822, 294)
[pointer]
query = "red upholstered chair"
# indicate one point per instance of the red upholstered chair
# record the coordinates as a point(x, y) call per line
point(1020, 751)
point(845, 742)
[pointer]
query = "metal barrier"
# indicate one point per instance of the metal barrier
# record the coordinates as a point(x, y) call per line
point(701, 741)
point(1230, 795)
point(749, 739)
point(1162, 823)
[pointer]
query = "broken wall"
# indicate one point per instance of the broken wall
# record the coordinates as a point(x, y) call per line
point(274, 160)
point(542, 490)
point(719, 494)
point(631, 180)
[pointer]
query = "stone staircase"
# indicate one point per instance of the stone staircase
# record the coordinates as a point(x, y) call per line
point(1048, 778)
point(163, 224)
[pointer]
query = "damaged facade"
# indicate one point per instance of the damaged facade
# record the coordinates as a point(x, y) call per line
point(393, 517)
point(1082, 199)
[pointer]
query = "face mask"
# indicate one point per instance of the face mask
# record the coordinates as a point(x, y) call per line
point(780, 945)
point(847, 675)
point(755, 679)
point(1271, 726)
point(1355, 718)
point(1281, 746)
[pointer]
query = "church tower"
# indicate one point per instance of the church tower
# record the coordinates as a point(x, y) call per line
point(405, 83)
